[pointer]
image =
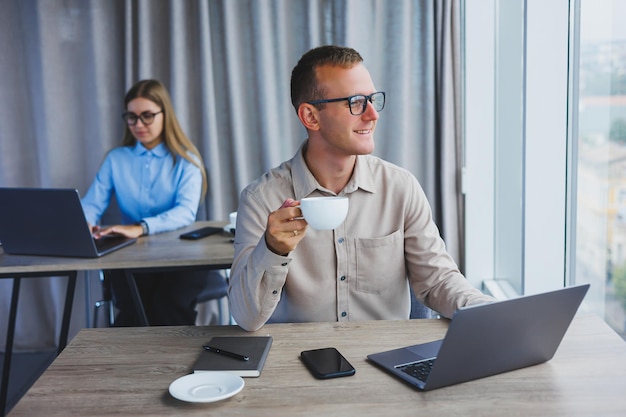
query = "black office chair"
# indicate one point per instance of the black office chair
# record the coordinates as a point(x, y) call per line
point(218, 279)
point(217, 289)
point(419, 310)
point(106, 302)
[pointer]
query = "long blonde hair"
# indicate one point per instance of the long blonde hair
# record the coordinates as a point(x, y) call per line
point(173, 136)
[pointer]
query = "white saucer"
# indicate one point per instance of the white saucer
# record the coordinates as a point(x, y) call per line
point(229, 227)
point(206, 387)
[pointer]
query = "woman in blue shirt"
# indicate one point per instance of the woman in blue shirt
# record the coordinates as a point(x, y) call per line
point(158, 179)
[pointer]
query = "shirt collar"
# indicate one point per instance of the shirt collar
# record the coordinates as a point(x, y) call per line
point(159, 151)
point(304, 183)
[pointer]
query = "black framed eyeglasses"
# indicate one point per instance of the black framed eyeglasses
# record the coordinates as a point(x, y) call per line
point(147, 117)
point(358, 103)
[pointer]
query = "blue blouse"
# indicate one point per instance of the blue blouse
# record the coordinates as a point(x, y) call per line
point(148, 185)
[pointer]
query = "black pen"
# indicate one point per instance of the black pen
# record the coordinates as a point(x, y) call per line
point(226, 353)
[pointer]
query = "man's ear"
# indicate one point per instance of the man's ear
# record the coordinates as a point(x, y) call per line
point(308, 115)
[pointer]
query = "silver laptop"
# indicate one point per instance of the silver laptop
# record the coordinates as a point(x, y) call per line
point(50, 222)
point(488, 339)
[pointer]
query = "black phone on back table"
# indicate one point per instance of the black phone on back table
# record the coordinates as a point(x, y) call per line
point(200, 233)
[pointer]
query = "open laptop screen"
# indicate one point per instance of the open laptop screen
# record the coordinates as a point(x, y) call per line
point(48, 222)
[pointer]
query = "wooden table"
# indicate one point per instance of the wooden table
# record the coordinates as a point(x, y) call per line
point(127, 371)
point(164, 251)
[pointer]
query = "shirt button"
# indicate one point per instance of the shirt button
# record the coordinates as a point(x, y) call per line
point(283, 264)
point(343, 314)
point(343, 278)
point(275, 292)
point(340, 240)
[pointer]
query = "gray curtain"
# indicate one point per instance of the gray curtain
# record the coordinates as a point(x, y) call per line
point(65, 66)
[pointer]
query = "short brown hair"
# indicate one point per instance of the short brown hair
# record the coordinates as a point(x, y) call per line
point(304, 86)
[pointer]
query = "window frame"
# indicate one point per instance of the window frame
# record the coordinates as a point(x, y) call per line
point(544, 195)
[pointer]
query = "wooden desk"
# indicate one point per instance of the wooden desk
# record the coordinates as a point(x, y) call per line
point(127, 371)
point(164, 251)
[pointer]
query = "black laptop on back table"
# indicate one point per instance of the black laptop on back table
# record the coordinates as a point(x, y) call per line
point(50, 222)
point(488, 339)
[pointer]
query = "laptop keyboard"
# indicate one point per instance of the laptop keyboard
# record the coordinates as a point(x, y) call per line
point(419, 370)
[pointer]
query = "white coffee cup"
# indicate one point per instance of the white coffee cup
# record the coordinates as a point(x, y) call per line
point(324, 213)
point(232, 218)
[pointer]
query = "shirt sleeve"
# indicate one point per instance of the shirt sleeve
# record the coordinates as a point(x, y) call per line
point(433, 274)
point(257, 274)
point(98, 197)
point(187, 199)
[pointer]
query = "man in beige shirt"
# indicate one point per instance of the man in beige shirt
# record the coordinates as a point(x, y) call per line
point(285, 271)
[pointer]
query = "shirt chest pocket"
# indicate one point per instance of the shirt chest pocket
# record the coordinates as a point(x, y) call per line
point(380, 263)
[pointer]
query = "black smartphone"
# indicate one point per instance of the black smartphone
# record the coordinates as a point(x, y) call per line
point(326, 363)
point(200, 233)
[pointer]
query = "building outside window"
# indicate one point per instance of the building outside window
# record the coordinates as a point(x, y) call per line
point(600, 184)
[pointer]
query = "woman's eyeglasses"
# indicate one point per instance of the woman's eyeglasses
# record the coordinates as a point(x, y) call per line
point(358, 103)
point(147, 118)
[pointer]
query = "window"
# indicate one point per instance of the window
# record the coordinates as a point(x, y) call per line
point(516, 85)
point(545, 149)
point(600, 178)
